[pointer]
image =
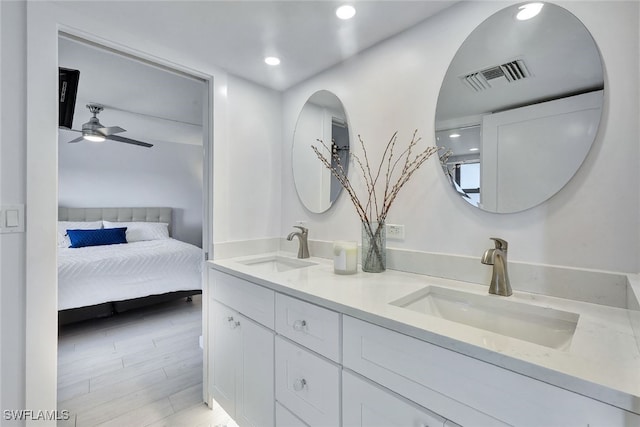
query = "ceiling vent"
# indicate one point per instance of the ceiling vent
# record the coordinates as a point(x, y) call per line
point(498, 75)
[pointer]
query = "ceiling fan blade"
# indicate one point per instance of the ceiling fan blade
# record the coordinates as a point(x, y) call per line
point(68, 129)
point(106, 131)
point(129, 141)
point(81, 138)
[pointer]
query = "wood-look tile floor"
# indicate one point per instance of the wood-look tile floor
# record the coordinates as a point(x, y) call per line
point(139, 368)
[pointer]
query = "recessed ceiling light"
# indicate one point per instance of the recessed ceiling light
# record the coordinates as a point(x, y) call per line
point(454, 135)
point(528, 11)
point(474, 149)
point(272, 60)
point(346, 12)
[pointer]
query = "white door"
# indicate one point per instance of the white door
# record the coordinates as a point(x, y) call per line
point(550, 138)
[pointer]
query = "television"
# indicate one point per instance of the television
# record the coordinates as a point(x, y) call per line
point(67, 90)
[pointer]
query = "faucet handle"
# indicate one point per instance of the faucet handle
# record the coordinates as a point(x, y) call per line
point(304, 230)
point(500, 243)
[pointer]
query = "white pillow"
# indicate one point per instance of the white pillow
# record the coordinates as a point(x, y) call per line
point(63, 226)
point(138, 231)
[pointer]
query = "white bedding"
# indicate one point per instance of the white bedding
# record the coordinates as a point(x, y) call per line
point(97, 274)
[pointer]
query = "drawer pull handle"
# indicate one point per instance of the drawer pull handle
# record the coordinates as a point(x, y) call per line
point(232, 324)
point(300, 325)
point(299, 384)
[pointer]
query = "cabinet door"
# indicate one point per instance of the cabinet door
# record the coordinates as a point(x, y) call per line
point(255, 398)
point(226, 347)
point(367, 405)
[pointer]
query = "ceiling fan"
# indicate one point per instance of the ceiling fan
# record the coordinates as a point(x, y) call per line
point(94, 131)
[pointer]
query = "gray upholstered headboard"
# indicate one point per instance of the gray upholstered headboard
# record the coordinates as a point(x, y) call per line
point(116, 214)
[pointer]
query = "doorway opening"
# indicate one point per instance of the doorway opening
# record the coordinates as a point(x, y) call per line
point(144, 356)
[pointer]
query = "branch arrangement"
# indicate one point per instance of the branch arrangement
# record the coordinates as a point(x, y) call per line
point(393, 172)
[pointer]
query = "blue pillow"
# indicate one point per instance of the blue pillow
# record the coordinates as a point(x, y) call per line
point(97, 237)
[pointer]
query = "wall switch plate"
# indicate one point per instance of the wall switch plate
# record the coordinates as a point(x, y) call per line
point(395, 232)
point(12, 219)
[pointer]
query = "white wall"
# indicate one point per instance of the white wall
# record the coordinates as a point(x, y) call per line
point(113, 174)
point(591, 223)
point(12, 190)
point(247, 165)
point(246, 173)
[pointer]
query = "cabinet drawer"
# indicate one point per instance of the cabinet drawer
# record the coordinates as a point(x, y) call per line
point(254, 301)
point(367, 405)
point(307, 385)
point(314, 327)
point(466, 390)
point(284, 418)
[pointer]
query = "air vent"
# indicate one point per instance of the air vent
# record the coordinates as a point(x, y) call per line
point(493, 73)
point(476, 81)
point(489, 77)
point(515, 70)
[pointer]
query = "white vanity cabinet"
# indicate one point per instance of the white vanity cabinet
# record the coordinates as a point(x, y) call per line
point(241, 371)
point(252, 366)
point(284, 361)
point(466, 390)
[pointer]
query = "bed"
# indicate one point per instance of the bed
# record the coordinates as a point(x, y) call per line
point(98, 280)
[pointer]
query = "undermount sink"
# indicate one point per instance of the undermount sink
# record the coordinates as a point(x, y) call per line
point(277, 263)
point(540, 325)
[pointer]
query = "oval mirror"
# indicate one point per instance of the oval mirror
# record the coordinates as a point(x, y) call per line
point(322, 118)
point(519, 107)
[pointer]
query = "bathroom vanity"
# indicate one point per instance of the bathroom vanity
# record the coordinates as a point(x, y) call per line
point(293, 344)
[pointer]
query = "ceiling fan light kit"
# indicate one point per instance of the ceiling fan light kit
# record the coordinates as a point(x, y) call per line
point(92, 137)
point(94, 131)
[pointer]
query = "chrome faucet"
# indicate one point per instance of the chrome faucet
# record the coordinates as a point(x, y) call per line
point(498, 258)
point(303, 249)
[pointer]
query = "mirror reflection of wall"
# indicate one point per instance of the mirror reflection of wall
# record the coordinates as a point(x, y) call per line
point(463, 161)
point(322, 118)
point(340, 146)
point(519, 108)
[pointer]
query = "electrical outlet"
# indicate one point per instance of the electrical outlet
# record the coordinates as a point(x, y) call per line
point(395, 231)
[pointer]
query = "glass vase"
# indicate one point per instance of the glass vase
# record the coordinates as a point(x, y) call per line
point(374, 242)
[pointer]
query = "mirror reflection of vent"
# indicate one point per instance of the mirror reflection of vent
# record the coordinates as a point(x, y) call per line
point(505, 73)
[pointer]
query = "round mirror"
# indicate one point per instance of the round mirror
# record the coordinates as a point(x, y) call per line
point(322, 118)
point(519, 107)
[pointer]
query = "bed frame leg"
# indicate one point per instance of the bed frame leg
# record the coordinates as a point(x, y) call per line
point(189, 299)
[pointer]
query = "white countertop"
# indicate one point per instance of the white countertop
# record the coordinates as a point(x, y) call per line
point(602, 361)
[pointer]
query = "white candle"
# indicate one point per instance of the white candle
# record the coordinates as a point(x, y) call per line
point(345, 257)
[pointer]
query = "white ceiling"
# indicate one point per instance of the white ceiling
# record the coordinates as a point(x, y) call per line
point(309, 38)
point(151, 103)
point(155, 105)
point(236, 35)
